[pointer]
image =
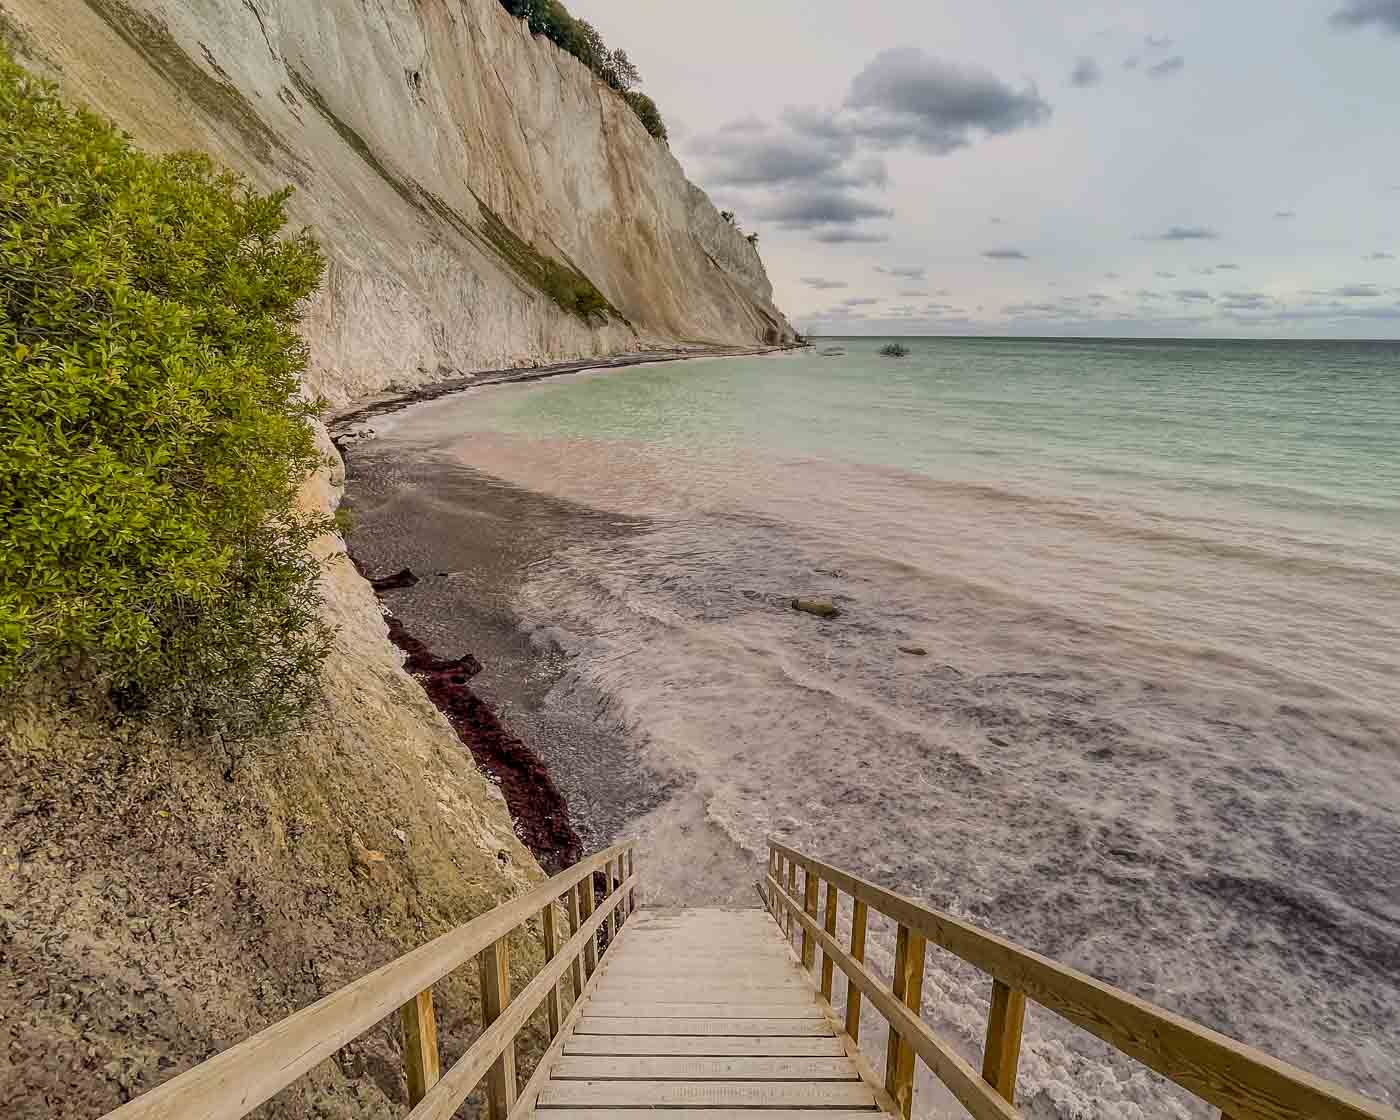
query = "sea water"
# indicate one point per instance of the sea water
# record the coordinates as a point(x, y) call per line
point(1155, 732)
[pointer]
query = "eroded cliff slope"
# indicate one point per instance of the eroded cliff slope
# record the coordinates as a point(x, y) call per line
point(483, 201)
point(469, 182)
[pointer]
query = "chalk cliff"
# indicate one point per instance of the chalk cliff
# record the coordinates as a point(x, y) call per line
point(465, 178)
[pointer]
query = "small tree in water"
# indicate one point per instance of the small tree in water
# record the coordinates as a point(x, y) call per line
point(894, 350)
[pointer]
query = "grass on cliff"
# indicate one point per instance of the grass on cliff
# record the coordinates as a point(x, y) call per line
point(152, 433)
point(566, 286)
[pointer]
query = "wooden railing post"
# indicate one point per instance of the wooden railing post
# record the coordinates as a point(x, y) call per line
point(611, 880)
point(859, 917)
point(631, 870)
point(791, 890)
point(828, 965)
point(576, 969)
point(553, 1003)
point(420, 1046)
point(501, 1087)
point(908, 986)
point(1003, 1049)
point(590, 903)
point(809, 906)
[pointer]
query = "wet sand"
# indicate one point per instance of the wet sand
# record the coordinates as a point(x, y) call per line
point(471, 541)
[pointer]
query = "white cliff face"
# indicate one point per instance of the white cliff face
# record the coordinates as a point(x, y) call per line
point(443, 156)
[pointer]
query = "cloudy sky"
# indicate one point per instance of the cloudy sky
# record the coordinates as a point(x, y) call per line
point(1195, 167)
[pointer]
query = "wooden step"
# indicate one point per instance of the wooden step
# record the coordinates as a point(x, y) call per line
point(615, 993)
point(701, 1025)
point(707, 1094)
point(587, 1067)
point(599, 1009)
point(711, 1046)
point(714, 1114)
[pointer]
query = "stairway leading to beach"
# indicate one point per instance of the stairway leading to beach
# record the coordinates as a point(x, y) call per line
point(714, 1014)
point(703, 1009)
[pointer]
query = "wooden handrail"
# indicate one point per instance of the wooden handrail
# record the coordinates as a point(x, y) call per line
point(1246, 1084)
point(232, 1084)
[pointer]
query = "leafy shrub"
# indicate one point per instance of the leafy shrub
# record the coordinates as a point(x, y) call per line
point(152, 436)
point(582, 40)
point(894, 350)
point(647, 112)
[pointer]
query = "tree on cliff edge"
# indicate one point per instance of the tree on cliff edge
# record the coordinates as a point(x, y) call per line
point(153, 435)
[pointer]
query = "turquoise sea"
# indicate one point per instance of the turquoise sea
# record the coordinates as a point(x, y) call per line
point(1156, 729)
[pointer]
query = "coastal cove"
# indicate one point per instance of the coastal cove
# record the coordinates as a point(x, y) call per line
point(1139, 736)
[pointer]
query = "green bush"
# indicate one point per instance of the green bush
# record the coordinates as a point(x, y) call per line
point(647, 112)
point(152, 434)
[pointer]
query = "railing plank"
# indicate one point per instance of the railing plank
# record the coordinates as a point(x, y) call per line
point(832, 896)
point(809, 904)
point(553, 1002)
point(860, 916)
point(447, 1095)
point(232, 1084)
point(576, 968)
point(590, 950)
point(791, 891)
point(975, 1095)
point(1002, 1052)
point(908, 987)
point(1245, 1083)
point(612, 878)
point(501, 1084)
point(420, 1046)
point(525, 1104)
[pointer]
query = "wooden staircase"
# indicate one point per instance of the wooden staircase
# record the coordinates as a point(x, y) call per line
point(705, 1010)
point(722, 1014)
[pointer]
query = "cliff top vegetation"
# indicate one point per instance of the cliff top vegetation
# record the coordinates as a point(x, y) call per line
point(582, 40)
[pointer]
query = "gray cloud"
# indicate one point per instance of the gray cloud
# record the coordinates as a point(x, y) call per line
point(1167, 67)
point(912, 292)
point(1086, 73)
point(1031, 309)
point(1385, 14)
point(749, 153)
point(1005, 255)
point(812, 209)
point(1227, 268)
point(1380, 256)
point(840, 236)
point(1193, 295)
point(1285, 213)
point(907, 272)
point(905, 96)
point(822, 284)
point(1165, 275)
point(1143, 293)
point(1131, 63)
point(1357, 291)
point(1157, 42)
point(902, 97)
point(860, 301)
point(1187, 233)
point(1246, 301)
